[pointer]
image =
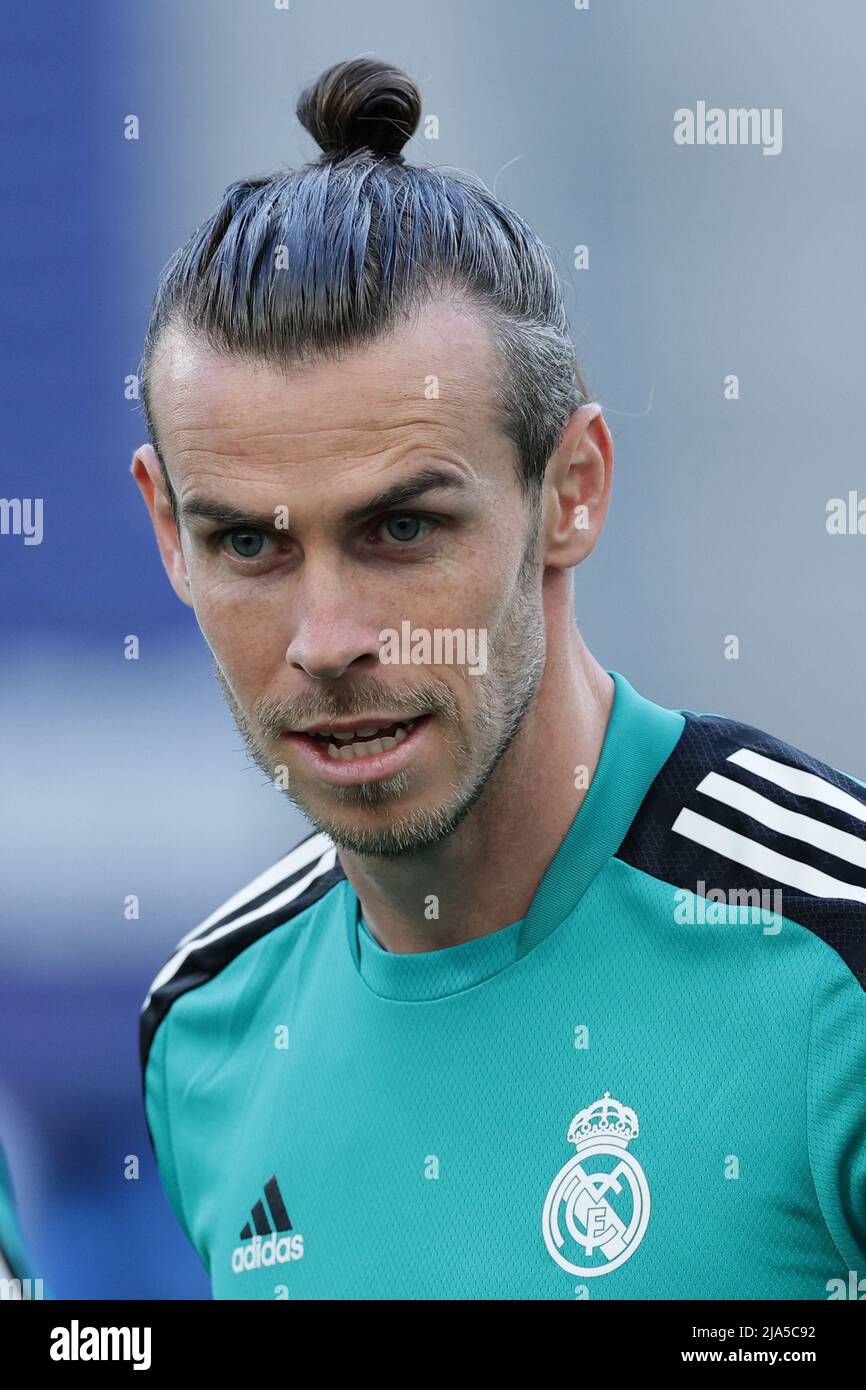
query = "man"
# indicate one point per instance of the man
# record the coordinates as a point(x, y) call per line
point(564, 996)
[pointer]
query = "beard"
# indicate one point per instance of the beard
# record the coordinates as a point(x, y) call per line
point(501, 697)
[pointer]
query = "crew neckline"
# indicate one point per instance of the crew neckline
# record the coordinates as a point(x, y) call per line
point(638, 740)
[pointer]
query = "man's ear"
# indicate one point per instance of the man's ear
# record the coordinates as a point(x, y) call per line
point(147, 472)
point(577, 488)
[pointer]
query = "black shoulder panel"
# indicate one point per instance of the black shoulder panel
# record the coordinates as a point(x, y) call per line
point(206, 951)
point(734, 808)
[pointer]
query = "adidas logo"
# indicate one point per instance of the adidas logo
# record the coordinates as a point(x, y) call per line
point(267, 1246)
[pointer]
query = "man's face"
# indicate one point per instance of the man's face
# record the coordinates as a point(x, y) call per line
point(298, 586)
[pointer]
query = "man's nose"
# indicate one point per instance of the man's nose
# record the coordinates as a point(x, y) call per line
point(332, 633)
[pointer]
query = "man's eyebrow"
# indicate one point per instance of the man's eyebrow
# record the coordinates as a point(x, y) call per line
point(221, 512)
point(406, 491)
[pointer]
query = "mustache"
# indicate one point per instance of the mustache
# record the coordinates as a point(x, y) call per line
point(277, 715)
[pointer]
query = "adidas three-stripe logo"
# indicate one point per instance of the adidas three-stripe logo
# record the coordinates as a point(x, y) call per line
point(274, 1199)
point(265, 1245)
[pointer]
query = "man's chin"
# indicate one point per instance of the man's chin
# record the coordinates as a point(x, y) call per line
point(369, 819)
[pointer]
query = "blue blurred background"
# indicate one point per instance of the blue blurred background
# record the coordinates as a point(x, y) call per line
point(128, 777)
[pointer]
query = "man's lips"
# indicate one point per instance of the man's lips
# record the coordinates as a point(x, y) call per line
point(347, 768)
point(344, 727)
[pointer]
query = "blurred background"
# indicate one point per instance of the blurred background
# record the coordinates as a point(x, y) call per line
point(128, 777)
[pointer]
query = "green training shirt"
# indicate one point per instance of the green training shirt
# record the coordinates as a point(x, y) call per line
point(652, 1087)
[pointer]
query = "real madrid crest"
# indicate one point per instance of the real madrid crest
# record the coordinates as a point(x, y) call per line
point(598, 1205)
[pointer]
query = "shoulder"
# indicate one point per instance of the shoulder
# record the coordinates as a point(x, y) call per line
point(737, 809)
point(14, 1257)
point(286, 890)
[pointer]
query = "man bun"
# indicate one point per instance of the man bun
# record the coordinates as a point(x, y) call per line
point(362, 103)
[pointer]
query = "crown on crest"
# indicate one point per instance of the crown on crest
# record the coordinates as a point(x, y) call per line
point(606, 1117)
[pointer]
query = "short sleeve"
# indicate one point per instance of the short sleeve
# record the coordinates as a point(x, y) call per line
point(836, 1105)
point(156, 1107)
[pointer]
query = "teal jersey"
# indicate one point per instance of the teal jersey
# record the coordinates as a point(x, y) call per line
point(651, 1087)
point(16, 1275)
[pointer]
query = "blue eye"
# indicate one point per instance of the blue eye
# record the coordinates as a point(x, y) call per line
point(246, 544)
point(404, 526)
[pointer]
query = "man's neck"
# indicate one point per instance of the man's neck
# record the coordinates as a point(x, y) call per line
point(485, 875)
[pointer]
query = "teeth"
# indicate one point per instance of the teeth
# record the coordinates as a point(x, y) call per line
point(363, 733)
point(345, 752)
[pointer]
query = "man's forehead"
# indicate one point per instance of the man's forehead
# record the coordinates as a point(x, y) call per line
point(440, 369)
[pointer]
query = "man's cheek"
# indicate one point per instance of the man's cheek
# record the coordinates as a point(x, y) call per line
point(233, 640)
point(223, 610)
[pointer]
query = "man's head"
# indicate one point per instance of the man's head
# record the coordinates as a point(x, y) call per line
point(341, 457)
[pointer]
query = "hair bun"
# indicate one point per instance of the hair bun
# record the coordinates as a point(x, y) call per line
point(361, 103)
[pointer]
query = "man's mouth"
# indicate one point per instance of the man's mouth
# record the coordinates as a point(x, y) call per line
point(363, 742)
point(348, 752)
